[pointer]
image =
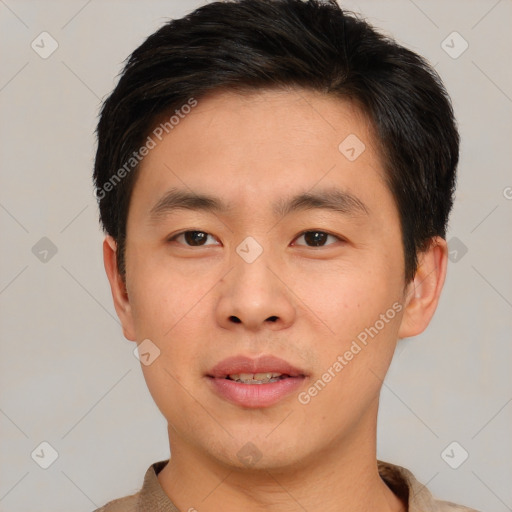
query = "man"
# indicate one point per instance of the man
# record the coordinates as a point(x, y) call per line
point(274, 178)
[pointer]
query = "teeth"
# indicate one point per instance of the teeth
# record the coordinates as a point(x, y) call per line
point(255, 378)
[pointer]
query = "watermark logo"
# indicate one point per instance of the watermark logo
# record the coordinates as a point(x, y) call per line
point(249, 454)
point(456, 249)
point(454, 45)
point(44, 455)
point(249, 250)
point(44, 45)
point(146, 352)
point(44, 250)
point(352, 147)
point(454, 455)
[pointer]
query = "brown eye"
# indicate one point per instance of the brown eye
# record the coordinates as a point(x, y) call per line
point(316, 238)
point(193, 238)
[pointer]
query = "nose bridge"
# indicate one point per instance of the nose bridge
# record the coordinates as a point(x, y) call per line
point(252, 281)
point(254, 276)
point(251, 294)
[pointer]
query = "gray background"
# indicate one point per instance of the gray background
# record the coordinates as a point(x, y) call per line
point(67, 375)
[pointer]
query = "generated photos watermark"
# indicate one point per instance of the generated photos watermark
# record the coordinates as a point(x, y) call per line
point(137, 156)
point(344, 359)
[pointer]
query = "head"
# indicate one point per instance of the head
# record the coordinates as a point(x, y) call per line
point(274, 178)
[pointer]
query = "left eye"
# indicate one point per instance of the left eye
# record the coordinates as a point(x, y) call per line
point(316, 238)
point(193, 238)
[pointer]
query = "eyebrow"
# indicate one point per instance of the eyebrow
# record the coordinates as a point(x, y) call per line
point(328, 199)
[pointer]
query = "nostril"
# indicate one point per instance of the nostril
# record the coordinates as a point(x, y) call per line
point(272, 318)
point(235, 319)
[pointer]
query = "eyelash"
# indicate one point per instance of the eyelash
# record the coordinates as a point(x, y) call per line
point(339, 239)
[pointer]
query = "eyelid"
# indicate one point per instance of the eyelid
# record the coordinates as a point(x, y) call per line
point(302, 233)
point(173, 237)
point(338, 238)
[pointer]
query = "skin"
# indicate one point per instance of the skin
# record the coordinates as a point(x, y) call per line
point(302, 303)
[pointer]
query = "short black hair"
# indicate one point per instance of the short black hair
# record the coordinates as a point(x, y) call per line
point(250, 45)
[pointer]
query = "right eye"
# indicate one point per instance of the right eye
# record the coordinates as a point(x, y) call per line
point(192, 238)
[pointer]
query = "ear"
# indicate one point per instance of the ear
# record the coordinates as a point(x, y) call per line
point(118, 288)
point(422, 294)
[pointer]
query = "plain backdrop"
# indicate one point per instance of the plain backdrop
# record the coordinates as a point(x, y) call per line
point(68, 377)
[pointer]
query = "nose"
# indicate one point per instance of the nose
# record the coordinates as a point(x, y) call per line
point(254, 297)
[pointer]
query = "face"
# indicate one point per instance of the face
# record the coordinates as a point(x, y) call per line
point(261, 249)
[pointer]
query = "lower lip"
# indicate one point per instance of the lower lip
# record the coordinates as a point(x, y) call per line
point(255, 395)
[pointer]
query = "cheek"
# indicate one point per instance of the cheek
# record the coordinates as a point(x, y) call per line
point(168, 308)
point(360, 315)
point(345, 301)
point(163, 300)
point(353, 364)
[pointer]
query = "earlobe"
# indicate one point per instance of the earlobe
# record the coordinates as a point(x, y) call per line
point(423, 293)
point(118, 288)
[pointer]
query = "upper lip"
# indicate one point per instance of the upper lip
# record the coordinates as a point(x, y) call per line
point(262, 364)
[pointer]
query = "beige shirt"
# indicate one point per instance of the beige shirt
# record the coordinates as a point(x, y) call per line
point(152, 498)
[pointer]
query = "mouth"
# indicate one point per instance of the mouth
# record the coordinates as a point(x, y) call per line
point(255, 383)
point(257, 378)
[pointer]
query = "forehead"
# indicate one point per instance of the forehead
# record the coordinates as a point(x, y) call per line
point(279, 120)
point(262, 144)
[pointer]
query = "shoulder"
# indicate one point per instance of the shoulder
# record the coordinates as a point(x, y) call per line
point(418, 498)
point(147, 498)
point(126, 504)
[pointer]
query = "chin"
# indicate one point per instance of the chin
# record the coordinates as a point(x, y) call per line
point(259, 453)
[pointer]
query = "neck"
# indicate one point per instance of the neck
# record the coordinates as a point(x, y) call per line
point(342, 478)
